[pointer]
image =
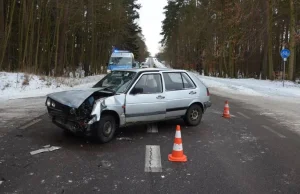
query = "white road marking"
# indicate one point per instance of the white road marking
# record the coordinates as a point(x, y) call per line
point(271, 130)
point(31, 123)
point(152, 128)
point(243, 115)
point(153, 159)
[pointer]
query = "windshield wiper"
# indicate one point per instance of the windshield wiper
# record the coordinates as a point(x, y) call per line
point(109, 89)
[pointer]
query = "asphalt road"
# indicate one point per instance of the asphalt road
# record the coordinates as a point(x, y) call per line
point(150, 62)
point(250, 153)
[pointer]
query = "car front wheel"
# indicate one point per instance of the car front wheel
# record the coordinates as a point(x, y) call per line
point(193, 115)
point(106, 129)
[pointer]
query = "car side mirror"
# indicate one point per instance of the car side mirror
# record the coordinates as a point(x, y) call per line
point(137, 91)
point(134, 65)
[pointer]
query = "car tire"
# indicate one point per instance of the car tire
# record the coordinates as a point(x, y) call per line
point(193, 115)
point(106, 128)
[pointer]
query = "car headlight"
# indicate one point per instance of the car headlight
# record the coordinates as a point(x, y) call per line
point(48, 103)
point(53, 104)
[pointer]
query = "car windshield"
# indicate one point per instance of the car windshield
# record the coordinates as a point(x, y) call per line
point(117, 81)
point(120, 61)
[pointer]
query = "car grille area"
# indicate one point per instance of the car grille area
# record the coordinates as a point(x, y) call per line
point(62, 117)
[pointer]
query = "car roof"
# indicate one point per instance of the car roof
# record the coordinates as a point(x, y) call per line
point(142, 70)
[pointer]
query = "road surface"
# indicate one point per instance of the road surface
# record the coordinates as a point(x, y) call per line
point(154, 63)
point(250, 153)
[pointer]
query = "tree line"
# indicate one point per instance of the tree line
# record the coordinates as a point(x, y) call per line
point(231, 37)
point(56, 36)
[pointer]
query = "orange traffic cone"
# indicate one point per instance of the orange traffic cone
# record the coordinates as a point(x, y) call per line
point(177, 153)
point(226, 113)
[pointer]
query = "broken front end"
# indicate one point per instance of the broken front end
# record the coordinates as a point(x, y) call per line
point(77, 119)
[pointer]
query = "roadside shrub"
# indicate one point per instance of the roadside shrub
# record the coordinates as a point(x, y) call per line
point(26, 80)
point(6, 86)
point(43, 78)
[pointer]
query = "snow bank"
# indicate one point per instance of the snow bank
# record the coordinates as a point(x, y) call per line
point(20, 85)
point(253, 87)
point(264, 96)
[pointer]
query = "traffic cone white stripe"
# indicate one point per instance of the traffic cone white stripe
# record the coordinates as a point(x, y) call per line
point(178, 134)
point(177, 147)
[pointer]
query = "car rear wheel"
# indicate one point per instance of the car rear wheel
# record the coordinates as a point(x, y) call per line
point(107, 128)
point(193, 115)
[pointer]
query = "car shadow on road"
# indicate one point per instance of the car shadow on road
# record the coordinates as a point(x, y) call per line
point(53, 135)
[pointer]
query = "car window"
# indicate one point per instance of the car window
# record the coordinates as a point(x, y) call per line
point(187, 82)
point(173, 81)
point(150, 83)
point(116, 80)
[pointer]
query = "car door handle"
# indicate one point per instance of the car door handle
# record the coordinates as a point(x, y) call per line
point(160, 97)
point(192, 92)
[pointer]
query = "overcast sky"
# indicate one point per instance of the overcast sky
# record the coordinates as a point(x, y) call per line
point(151, 16)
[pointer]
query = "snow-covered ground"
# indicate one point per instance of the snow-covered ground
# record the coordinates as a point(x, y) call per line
point(263, 96)
point(20, 85)
point(254, 87)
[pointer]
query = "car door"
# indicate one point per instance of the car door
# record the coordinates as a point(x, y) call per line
point(145, 101)
point(180, 91)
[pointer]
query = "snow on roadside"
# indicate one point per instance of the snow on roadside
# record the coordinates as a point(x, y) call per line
point(267, 97)
point(253, 87)
point(13, 85)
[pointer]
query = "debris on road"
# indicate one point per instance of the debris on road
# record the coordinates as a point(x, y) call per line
point(47, 148)
point(104, 164)
point(25, 166)
point(124, 138)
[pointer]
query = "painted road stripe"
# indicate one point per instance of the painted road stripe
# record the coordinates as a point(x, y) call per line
point(31, 123)
point(153, 159)
point(271, 130)
point(152, 128)
point(243, 115)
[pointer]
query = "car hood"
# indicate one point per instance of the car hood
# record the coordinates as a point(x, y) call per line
point(73, 98)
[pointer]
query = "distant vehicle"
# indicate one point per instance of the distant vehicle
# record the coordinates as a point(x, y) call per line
point(127, 97)
point(121, 59)
point(144, 65)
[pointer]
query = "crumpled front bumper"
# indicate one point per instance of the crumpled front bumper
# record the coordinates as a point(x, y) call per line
point(73, 126)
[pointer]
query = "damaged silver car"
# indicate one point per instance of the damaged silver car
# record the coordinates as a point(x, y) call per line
point(128, 97)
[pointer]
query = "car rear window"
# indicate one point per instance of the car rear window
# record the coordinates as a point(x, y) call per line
point(177, 81)
point(173, 81)
point(187, 82)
